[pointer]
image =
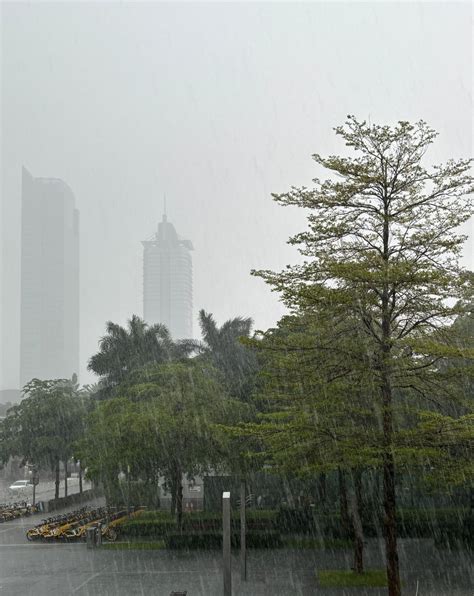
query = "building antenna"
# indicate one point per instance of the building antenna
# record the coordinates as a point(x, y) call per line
point(164, 206)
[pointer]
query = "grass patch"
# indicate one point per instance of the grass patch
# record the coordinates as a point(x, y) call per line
point(159, 545)
point(372, 578)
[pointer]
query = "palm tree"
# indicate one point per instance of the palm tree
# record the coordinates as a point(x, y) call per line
point(125, 349)
point(237, 362)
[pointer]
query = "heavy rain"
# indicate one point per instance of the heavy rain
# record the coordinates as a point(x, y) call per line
point(237, 308)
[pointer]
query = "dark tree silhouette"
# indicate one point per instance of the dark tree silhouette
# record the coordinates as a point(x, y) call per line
point(236, 361)
point(125, 349)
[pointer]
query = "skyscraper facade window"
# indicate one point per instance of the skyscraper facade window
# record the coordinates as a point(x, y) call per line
point(49, 342)
point(167, 281)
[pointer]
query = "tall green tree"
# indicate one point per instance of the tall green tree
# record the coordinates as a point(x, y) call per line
point(382, 247)
point(161, 423)
point(44, 427)
point(125, 349)
point(316, 413)
point(236, 361)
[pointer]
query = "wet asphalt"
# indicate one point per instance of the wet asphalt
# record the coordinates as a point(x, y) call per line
point(36, 569)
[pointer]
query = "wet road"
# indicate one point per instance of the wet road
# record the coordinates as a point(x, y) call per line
point(44, 490)
point(36, 569)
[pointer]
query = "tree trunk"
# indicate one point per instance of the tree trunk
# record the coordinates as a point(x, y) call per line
point(388, 463)
point(57, 480)
point(80, 478)
point(359, 554)
point(389, 496)
point(357, 531)
point(289, 495)
point(390, 527)
point(322, 487)
point(179, 498)
point(65, 477)
point(343, 504)
point(358, 491)
point(112, 488)
point(173, 495)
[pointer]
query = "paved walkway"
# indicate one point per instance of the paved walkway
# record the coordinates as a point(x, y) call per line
point(35, 569)
point(44, 490)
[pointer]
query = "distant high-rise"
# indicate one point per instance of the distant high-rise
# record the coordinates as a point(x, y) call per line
point(49, 342)
point(168, 281)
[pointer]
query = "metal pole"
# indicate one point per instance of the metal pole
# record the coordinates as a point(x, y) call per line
point(35, 480)
point(99, 534)
point(243, 533)
point(226, 543)
point(128, 490)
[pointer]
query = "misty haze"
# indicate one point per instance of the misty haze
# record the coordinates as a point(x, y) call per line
point(236, 298)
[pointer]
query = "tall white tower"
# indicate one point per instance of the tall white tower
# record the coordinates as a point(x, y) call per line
point(168, 281)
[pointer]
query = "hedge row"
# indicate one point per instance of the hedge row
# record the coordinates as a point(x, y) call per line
point(213, 540)
point(159, 524)
point(411, 523)
point(442, 525)
point(158, 528)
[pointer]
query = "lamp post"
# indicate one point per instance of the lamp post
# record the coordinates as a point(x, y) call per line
point(243, 531)
point(226, 543)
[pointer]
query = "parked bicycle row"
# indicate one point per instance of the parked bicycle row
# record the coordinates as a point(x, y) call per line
point(73, 525)
point(9, 511)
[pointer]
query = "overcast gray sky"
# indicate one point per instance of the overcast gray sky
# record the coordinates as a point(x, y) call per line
point(216, 105)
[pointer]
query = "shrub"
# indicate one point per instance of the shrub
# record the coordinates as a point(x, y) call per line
point(213, 540)
point(411, 523)
point(430, 523)
point(156, 524)
point(296, 521)
point(150, 528)
point(444, 525)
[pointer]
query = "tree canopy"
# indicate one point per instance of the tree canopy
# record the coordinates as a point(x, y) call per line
point(382, 255)
point(125, 349)
point(44, 427)
point(236, 361)
point(161, 423)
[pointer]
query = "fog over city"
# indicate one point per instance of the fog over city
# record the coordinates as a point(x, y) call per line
point(215, 106)
point(236, 298)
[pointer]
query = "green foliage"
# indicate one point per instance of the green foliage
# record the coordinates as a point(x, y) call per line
point(161, 423)
point(380, 271)
point(124, 350)
point(44, 427)
point(303, 528)
point(148, 528)
point(371, 345)
point(236, 361)
point(138, 493)
point(372, 578)
point(320, 412)
point(159, 524)
point(203, 530)
point(213, 540)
